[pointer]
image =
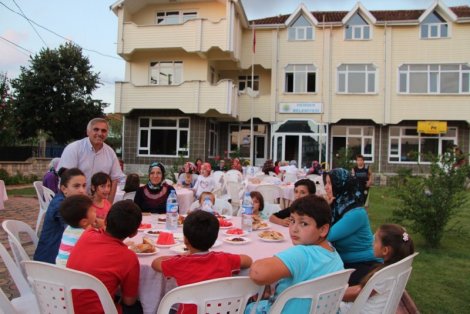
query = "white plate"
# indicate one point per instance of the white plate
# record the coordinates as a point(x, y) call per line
point(180, 249)
point(144, 254)
point(148, 232)
point(178, 236)
point(263, 228)
point(234, 234)
point(166, 245)
point(227, 227)
point(225, 217)
point(271, 240)
point(229, 240)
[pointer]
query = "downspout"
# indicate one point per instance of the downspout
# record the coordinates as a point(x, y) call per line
point(330, 94)
point(385, 90)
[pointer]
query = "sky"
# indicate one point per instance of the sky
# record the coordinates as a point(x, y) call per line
point(93, 26)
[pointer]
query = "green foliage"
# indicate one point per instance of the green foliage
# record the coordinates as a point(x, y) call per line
point(7, 120)
point(429, 202)
point(18, 178)
point(53, 94)
point(344, 158)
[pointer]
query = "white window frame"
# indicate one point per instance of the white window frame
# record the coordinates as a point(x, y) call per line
point(179, 149)
point(433, 73)
point(360, 27)
point(247, 80)
point(156, 66)
point(213, 138)
point(345, 73)
point(298, 30)
point(403, 137)
point(300, 69)
point(437, 25)
point(182, 16)
point(368, 158)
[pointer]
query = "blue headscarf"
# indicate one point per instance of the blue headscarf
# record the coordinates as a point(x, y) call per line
point(345, 191)
point(158, 186)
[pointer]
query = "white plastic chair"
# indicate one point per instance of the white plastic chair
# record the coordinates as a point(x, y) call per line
point(53, 286)
point(223, 295)
point(235, 190)
point(325, 292)
point(318, 180)
point(223, 207)
point(14, 228)
point(233, 176)
point(271, 193)
point(270, 209)
point(218, 178)
point(290, 177)
point(397, 275)
point(45, 195)
point(21, 305)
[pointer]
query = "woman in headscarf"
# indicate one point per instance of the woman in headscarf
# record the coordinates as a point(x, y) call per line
point(51, 178)
point(350, 233)
point(152, 196)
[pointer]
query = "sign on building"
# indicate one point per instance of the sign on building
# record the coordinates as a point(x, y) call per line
point(302, 107)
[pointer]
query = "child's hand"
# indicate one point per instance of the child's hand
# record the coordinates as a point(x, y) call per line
point(286, 222)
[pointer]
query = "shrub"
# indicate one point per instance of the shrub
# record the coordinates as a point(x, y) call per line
point(18, 178)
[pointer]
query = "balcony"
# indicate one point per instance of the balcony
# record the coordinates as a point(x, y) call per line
point(193, 97)
point(197, 35)
point(262, 107)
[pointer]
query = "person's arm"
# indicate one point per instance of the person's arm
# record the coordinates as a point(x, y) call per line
point(351, 293)
point(245, 261)
point(128, 300)
point(269, 270)
point(279, 221)
point(112, 193)
point(369, 181)
point(157, 263)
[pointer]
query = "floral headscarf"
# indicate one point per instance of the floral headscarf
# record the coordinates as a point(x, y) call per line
point(158, 186)
point(345, 191)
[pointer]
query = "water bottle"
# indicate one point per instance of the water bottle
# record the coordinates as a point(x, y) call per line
point(247, 213)
point(252, 172)
point(172, 211)
point(207, 205)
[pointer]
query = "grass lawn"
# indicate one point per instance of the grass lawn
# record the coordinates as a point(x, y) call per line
point(440, 280)
point(24, 191)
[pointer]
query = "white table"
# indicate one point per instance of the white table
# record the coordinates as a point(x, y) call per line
point(3, 194)
point(153, 285)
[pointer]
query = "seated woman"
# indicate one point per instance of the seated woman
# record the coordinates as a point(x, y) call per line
point(51, 178)
point(152, 196)
point(268, 167)
point(187, 178)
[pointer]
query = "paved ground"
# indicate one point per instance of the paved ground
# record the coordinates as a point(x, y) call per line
point(19, 208)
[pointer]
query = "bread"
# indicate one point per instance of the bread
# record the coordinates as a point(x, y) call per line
point(144, 248)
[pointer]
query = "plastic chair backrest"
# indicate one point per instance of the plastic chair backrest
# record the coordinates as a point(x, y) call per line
point(397, 274)
point(223, 207)
point(270, 192)
point(45, 195)
point(22, 305)
point(15, 272)
point(14, 228)
point(290, 177)
point(233, 176)
point(325, 292)
point(5, 304)
point(218, 177)
point(53, 286)
point(270, 209)
point(223, 295)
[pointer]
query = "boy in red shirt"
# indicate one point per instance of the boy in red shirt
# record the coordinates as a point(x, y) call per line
point(103, 254)
point(200, 231)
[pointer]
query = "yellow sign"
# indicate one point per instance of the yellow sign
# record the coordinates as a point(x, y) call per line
point(432, 127)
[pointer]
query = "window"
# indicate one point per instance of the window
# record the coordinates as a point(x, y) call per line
point(359, 139)
point(213, 139)
point(163, 137)
point(357, 28)
point(301, 29)
point(434, 79)
point(356, 78)
point(300, 78)
point(245, 81)
point(434, 26)
point(239, 138)
point(166, 73)
point(174, 17)
point(406, 145)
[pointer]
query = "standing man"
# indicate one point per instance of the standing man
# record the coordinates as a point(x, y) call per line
point(91, 155)
point(363, 176)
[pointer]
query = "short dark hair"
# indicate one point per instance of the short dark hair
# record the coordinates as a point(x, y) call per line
point(359, 156)
point(123, 219)
point(74, 208)
point(132, 182)
point(260, 198)
point(201, 229)
point(308, 183)
point(68, 174)
point(98, 179)
point(313, 206)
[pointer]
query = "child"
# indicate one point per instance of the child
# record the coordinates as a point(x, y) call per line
point(78, 212)
point(258, 204)
point(72, 182)
point(392, 243)
point(198, 205)
point(103, 254)
point(204, 183)
point(100, 189)
point(200, 231)
point(131, 186)
point(311, 256)
point(302, 188)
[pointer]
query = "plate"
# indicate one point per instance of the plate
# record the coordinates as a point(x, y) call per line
point(166, 245)
point(144, 254)
point(161, 219)
point(152, 233)
point(265, 226)
point(268, 239)
point(225, 217)
point(178, 236)
point(230, 240)
point(180, 249)
point(226, 227)
point(144, 226)
point(243, 233)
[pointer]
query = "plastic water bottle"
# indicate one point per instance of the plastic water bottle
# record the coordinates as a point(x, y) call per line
point(207, 205)
point(252, 172)
point(172, 211)
point(247, 213)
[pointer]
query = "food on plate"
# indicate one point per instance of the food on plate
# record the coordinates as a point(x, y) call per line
point(154, 232)
point(162, 219)
point(145, 226)
point(219, 216)
point(271, 235)
point(224, 223)
point(237, 239)
point(258, 223)
point(235, 231)
point(180, 219)
point(166, 238)
point(145, 247)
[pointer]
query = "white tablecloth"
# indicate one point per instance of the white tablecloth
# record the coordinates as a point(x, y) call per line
point(3, 194)
point(153, 285)
point(287, 190)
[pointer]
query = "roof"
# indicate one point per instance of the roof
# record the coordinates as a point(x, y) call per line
point(381, 16)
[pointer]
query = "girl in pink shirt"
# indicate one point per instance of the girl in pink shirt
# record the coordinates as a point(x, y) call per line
point(100, 189)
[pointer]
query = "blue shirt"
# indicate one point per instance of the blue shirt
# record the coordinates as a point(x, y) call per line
point(51, 234)
point(352, 237)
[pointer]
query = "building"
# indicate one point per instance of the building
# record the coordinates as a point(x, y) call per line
point(321, 81)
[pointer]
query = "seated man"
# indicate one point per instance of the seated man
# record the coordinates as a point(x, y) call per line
point(104, 255)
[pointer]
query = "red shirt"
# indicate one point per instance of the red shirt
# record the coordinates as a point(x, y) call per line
point(188, 269)
point(102, 212)
point(108, 259)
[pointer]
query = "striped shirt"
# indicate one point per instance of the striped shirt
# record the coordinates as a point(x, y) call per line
point(69, 239)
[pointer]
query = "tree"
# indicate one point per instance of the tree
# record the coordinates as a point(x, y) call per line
point(53, 95)
point(428, 203)
point(7, 120)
